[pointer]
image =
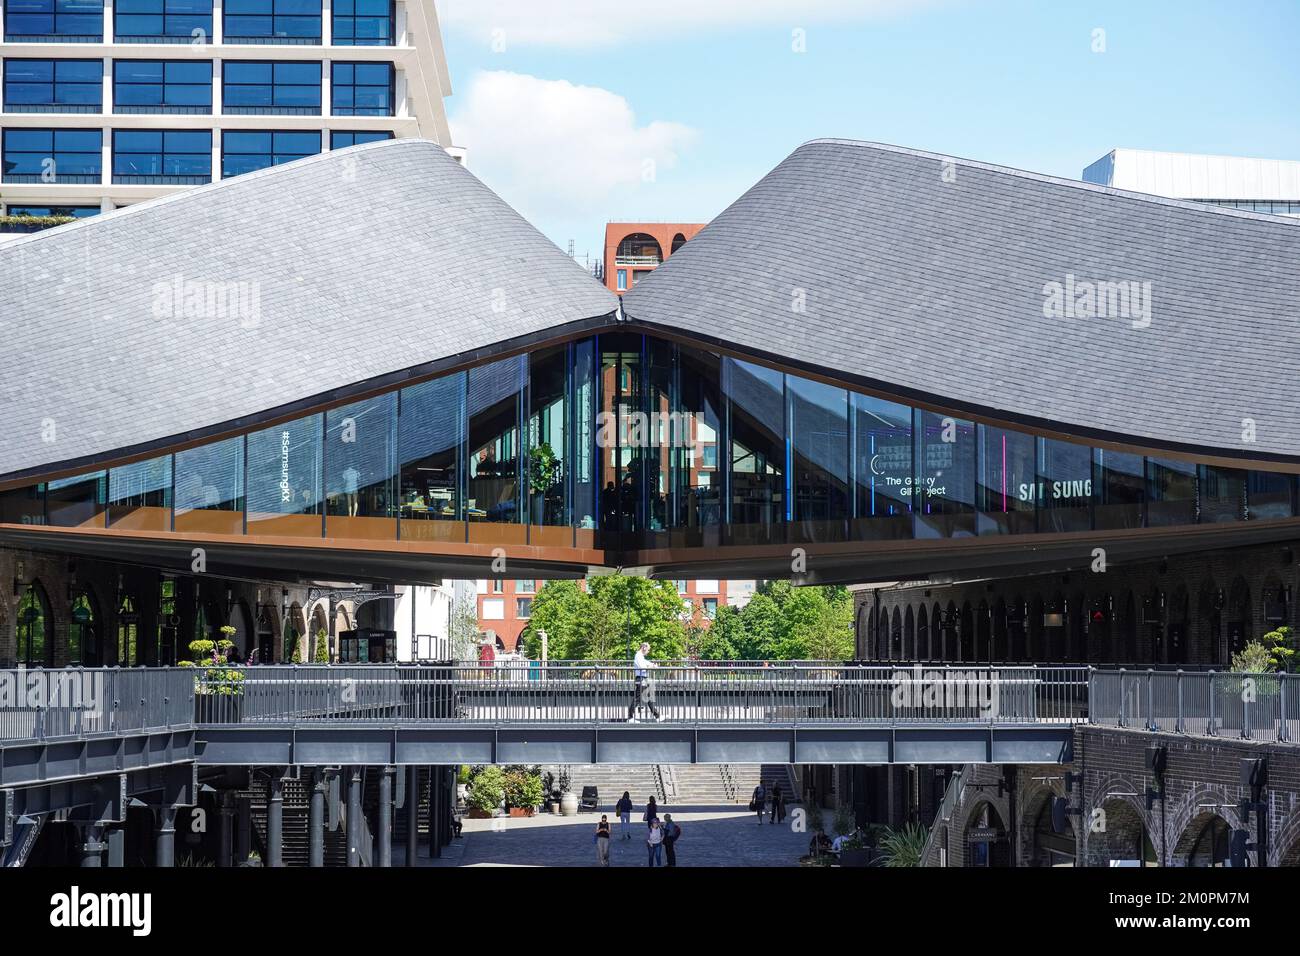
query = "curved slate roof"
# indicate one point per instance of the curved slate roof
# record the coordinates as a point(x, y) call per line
point(354, 265)
point(931, 287)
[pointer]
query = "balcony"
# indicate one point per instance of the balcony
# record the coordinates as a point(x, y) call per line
point(637, 262)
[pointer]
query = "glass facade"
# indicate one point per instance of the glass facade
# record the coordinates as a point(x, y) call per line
point(162, 86)
point(362, 89)
point(248, 151)
point(272, 21)
point(162, 21)
point(53, 155)
point(178, 157)
point(342, 139)
point(53, 86)
point(624, 441)
point(364, 22)
point(54, 20)
point(259, 87)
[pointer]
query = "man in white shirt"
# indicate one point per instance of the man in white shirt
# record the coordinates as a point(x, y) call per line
point(644, 692)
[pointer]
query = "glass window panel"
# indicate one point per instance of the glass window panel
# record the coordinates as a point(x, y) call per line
point(495, 401)
point(23, 505)
point(1119, 489)
point(548, 438)
point(430, 442)
point(1171, 492)
point(1008, 487)
point(883, 470)
point(361, 469)
point(756, 410)
point(584, 461)
point(210, 488)
point(1270, 495)
point(77, 502)
point(140, 495)
point(284, 479)
point(697, 478)
point(819, 433)
point(342, 139)
point(1064, 486)
point(1222, 494)
point(945, 476)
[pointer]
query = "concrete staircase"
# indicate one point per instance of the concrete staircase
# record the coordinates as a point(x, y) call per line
point(610, 781)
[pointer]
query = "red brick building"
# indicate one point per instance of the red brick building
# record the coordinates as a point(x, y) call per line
point(633, 249)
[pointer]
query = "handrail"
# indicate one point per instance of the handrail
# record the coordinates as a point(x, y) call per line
point(951, 797)
point(1254, 706)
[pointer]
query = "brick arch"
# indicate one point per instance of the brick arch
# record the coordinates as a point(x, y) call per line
point(1286, 845)
point(1032, 806)
point(1119, 808)
point(1190, 816)
point(298, 618)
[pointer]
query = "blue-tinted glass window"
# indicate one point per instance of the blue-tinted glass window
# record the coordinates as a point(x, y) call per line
point(756, 412)
point(179, 21)
point(76, 212)
point(284, 479)
point(364, 22)
point(162, 86)
point(63, 19)
point(1270, 495)
point(362, 89)
point(494, 401)
point(1064, 486)
point(244, 152)
point(883, 473)
point(53, 86)
point(1119, 489)
point(361, 466)
point(140, 495)
point(945, 476)
point(77, 502)
point(210, 487)
point(342, 139)
point(1008, 490)
point(173, 156)
point(287, 88)
point(287, 21)
point(819, 441)
point(1222, 494)
point(52, 155)
point(431, 439)
point(1171, 492)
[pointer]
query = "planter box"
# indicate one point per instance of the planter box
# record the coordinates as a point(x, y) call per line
point(521, 811)
point(864, 857)
point(476, 814)
point(218, 708)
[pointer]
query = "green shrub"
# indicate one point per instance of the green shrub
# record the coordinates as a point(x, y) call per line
point(1254, 658)
point(904, 847)
point(487, 789)
point(322, 653)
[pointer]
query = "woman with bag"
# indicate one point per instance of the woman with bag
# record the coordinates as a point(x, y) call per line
point(602, 841)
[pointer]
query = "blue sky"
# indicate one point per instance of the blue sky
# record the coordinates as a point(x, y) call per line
point(582, 111)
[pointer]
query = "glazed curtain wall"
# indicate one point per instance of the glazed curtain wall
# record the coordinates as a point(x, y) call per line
point(625, 441)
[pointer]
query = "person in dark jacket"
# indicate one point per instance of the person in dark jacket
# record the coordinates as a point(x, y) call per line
point(651, 812)
point(778, 804)
point(758, 801)
point(624, 810)
point(672, 832)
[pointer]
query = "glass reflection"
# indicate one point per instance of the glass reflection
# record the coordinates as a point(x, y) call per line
point(1222, 494)
point(1008, 486)
point(1064, 486)
point(210, 488)
point(1119, 489)
point(284, 479)
point(76, 502)
point(757, 458)
point(140, 496)
point(884, 478)
point(1171, 492)
point(431, 446)
point(945, 481)
point(495, 406)
point(819, 430)
point(361, 469)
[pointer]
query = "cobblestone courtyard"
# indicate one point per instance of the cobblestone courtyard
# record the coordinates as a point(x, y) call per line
point(711, 836)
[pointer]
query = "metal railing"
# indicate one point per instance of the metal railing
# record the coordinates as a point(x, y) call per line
point(952, 795)
point(588, 692)
point(39, 704)
point(1264, 707)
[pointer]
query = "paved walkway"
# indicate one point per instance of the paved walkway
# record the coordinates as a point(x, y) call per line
point(711, 836)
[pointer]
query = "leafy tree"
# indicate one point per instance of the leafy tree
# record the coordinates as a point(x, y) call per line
point(1254, 658)
point(1281, 648)
point(611, 617)
point(321, 655)
point(462, 630)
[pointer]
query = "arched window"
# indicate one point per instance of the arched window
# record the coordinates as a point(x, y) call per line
point(35, 628)
point(167, 622)
point(639, 249)
point(83, 633)
point(266, 634)
point(128, 632)
point(679, 240)
point(922, 634)
point(909, 635)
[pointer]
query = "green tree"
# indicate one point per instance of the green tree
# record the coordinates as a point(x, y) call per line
point(462, 631)
point(321, 655)
point(608, 620)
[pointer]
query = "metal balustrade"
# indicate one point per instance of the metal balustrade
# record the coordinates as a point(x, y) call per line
point(39, 704)
point(1263, 707)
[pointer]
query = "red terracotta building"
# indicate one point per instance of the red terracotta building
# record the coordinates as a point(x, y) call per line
point(633, 249)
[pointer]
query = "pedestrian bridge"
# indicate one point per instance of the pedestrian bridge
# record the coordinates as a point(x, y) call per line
point(65, 724)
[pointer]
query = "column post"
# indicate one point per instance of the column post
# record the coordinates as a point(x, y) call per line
point(412, 815)
point(275, 820)
point(385, 834)
point(316, 821)
point(354, 816)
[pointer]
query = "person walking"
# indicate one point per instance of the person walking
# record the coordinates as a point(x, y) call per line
point(654, 842)
point(624, 810)
point(672, 833)
point(778, 810)
point(651, 815)
point(643, 693)
point(602, 841)
point(758, 801)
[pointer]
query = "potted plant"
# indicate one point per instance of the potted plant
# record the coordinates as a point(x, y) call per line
point(486, 791)
point(219, 689)
point(523, 792)
point(550, 795)
point(543, 475)
point(254, 859)
point(904, 847)
point(568, 799)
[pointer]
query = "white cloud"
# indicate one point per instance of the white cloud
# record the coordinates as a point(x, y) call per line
point(587, 23)
point(549, 147)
